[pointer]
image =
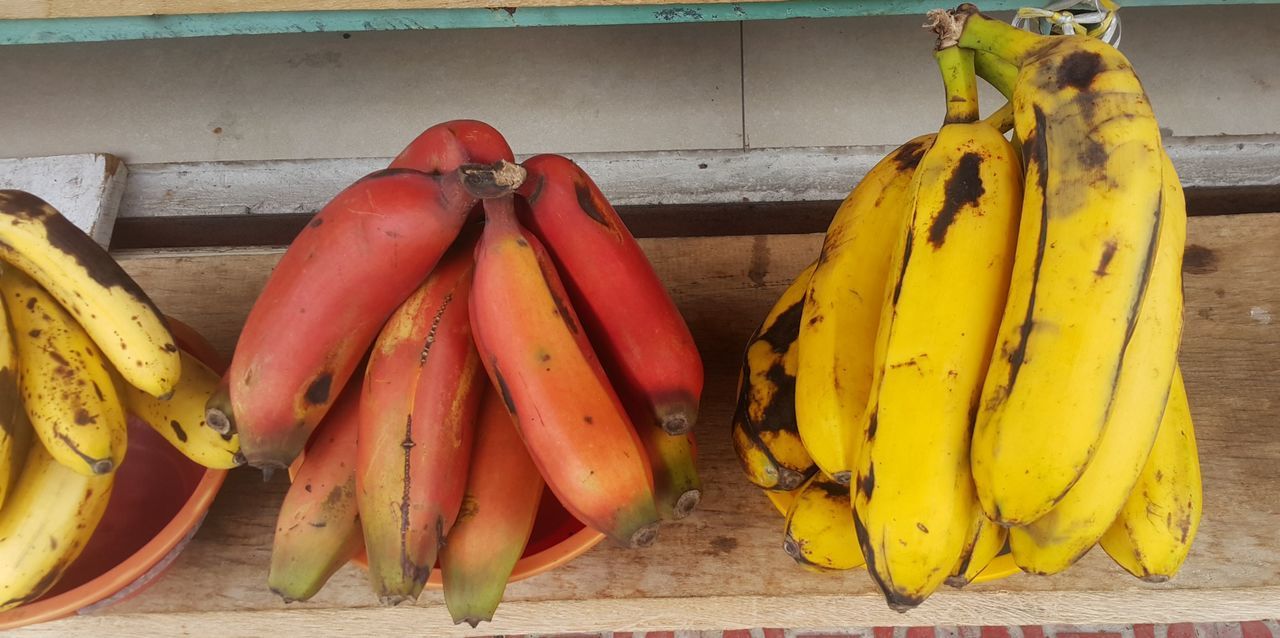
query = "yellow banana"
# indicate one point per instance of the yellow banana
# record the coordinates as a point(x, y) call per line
point(982, 544)
point(1087, 240)
point(180, 419)
point(1154, 531)
point(913, 495)
point(45, 524)
point(66, 384)
point(15, 431)
point(764, 423)
point(820, 532)
point(1058, 539)
point(79, 273)
point(842, 310)
point(782, 500)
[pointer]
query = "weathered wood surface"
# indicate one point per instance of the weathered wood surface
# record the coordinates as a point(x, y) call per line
point(10, 9)
point(85, 188)
point(724, 567)
point(630, 179)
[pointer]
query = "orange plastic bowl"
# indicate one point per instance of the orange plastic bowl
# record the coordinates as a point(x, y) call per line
point(158, 502)
point(556, 539)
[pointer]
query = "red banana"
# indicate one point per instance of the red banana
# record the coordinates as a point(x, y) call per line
point(317, 531)
point(357, 260)
point(422, 389)
point(568, 414)
point(639, 334)
point(503, 492)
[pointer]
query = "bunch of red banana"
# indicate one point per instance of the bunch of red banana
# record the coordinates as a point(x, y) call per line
point(538, 347)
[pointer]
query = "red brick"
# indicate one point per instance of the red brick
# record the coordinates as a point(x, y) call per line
point(995, 632)
point(1255, 629)
point(1182, 630)
point(623, 634)
point(661, 634)
point(883, 632)
point(737, 633)
point(830, 635)
point(921, 632)
point(1086, 634)
point(1144, 631)
point(774, 632)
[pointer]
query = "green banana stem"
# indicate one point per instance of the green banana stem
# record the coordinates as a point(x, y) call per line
point(960, 82)
point(980, 33)
point(997, 71)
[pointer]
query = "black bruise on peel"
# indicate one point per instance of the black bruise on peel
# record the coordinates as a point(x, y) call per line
point(906, 259)
point(909, 155)
point(504, 390)
point(1108, 253)
point(318, 392)
point(1078, 70)
point(867, 484)
point(177, 431)
point(779, 415)
point(63, 236)
point(963, 188)
point(587, 202)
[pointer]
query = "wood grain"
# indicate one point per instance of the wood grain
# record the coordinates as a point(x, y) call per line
point(724, 567)
point(85, 188)
point(18, 9)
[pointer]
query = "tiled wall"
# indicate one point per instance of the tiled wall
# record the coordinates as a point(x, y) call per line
point(761, 84)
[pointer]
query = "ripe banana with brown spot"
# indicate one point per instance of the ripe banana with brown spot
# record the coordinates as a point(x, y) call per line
point(180, 419)
point(983, 543)
point(842, 310)
point(819, 528)
point(45, 524)
point(913, 496)
point(66, 383)
point(85, 280)
point(15, 430)
point(1091, 215)
point(1154, 531)
point(1058, 539)
point(765, 436)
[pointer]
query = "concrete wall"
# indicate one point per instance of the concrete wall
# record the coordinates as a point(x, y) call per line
point(1209, 70)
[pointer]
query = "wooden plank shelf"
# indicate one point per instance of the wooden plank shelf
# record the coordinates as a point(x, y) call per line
point(48, 21)
point(724, 566)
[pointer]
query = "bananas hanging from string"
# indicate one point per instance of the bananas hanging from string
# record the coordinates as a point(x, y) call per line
point(987, 348)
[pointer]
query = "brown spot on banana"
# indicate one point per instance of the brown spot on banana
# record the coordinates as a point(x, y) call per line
point(1078, 69)
point(963, 188)
point(587, 202)
point(1108, 253)
point(318, 392)
point(504, 390)
point(867, 482)
point(178, 431)
point(909, 155)
point(906, 258)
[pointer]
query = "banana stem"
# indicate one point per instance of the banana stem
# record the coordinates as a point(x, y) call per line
point(980, 33)
point(960, 83)
point(997, 71)
point(487, 181)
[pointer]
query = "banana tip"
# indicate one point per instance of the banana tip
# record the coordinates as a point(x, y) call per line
point(686, 503)
point(677, 424)
point(1155, 578)
point(391, 600)
point(102, 466)
point(843, 478)
point(645, 536)
point(957, 581)
point(474, 621)
point(217, 419)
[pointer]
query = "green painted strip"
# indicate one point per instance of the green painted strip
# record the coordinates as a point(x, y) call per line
point(182, 26)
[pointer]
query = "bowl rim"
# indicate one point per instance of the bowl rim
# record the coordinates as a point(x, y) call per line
point(133, 573)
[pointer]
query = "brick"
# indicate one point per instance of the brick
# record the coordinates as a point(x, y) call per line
point(1032, 631)
point(995, 632)
point(1256, 629)
point(1144, 631)
point(882, 632)
point(660, 634)
point(1086, 634)
point(773, 632)
point(1181, 630)
point(737, 633)
point(921, 632)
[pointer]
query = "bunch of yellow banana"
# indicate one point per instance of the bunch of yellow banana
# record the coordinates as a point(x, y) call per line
point(972, 378)
point(82, 349)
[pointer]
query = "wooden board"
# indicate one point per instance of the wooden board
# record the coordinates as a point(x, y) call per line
point(724, 566)
point(85, 188)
